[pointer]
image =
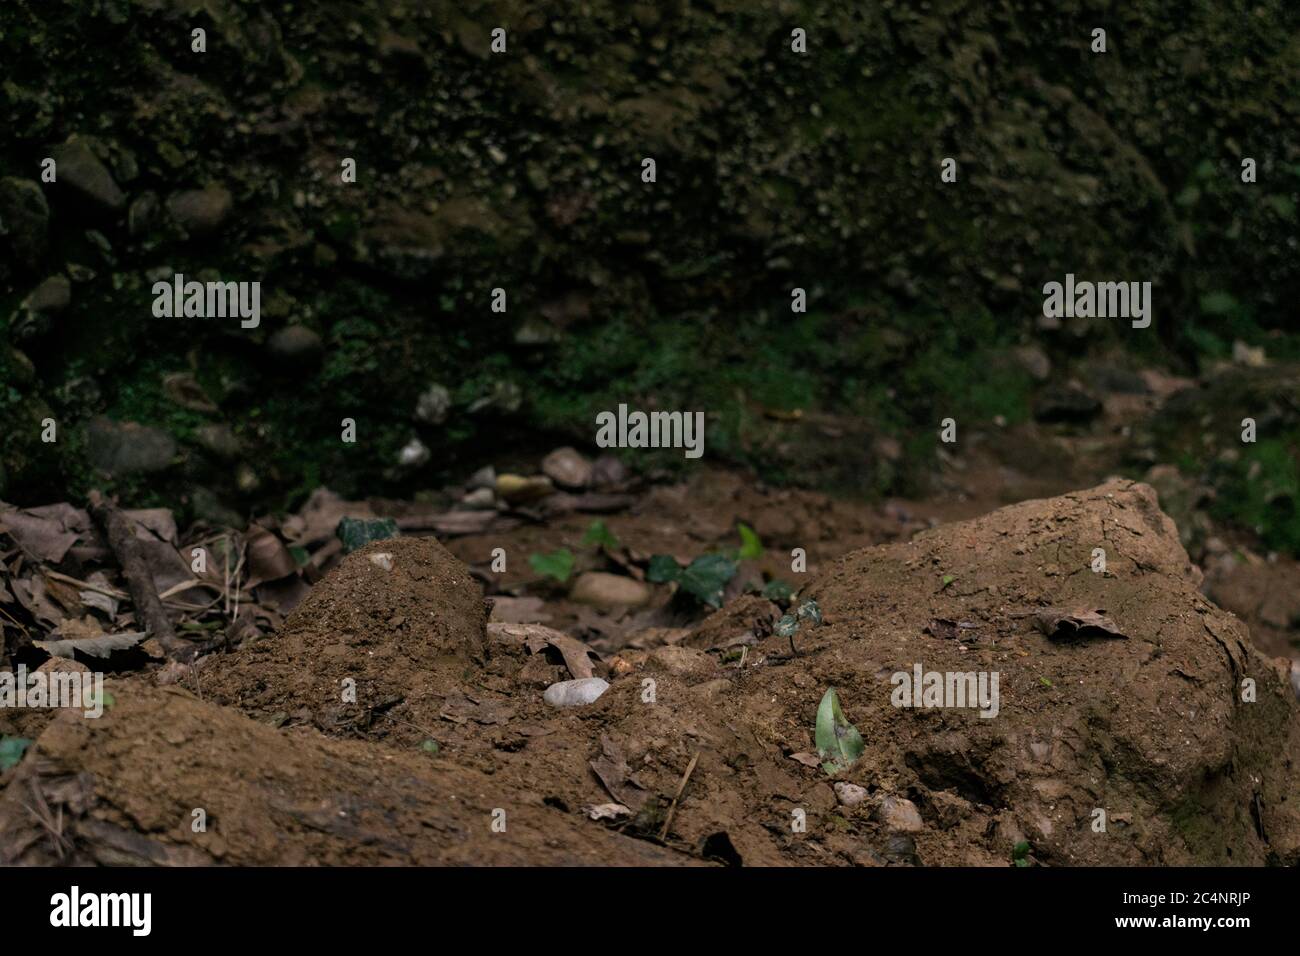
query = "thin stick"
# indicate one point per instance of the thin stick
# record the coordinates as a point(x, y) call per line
point(681, 788)
point(86, 585)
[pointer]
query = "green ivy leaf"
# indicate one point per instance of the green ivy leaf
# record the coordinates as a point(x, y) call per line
point(557, 564)
point(751, 545)
point(12, 750)
point(838, 742)
point(778, 590)
point(707, 576)
point(662, 569)
point(358, 532)
point(599, 535)
point(809, 611)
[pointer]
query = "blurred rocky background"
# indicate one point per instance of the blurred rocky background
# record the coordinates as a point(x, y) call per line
point(522, 171)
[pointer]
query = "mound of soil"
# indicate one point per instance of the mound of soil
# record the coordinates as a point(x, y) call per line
point(123, 790)
point(400, 619)
point(1121, 692)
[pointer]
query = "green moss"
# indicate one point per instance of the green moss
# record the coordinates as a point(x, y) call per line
point(1261, 491)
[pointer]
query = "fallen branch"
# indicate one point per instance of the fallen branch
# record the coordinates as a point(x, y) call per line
point(144, 593)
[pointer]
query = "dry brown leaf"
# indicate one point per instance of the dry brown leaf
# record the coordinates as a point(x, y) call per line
point(87, 637)
point(1060, 624)
point(537, 637)
point(268, 558)
point(45, 539)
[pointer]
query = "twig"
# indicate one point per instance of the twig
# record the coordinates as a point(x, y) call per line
point(681, 788)
point(144, 593)
point(86, 585)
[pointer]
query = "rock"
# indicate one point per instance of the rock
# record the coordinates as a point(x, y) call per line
point(608, 470)
point(604, 590)
point(22, 369)
point(382, 560)
point(52, 295)
point(1065, 403)
point(485, 477)
point(208, 507)
point(142, 216)
point(517, 489)
point(1034, 361)
point(567, 468)
point(297, 345)
point(534, 332)
point(1252, 356)
point(246, 479)
point(219, 440)
point(899, 815)
point(184, 389)
point(480, 499)
point(575, 693)
point(24, 219)
point(127, 448)
point(200, 211)
point(81, 169)
point(433, 405)
point(850, 794)
point(503, 396)
point(901, 848)
point(414, 454)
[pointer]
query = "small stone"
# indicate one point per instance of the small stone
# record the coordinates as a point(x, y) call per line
point(24, 219)
point(414, 454)
point(608, 470)
point(900, 815)
point(485, 477)
point(127, 448)
point(81, 169)
point(1066, 403)
point(143, 214)
point(575, 693)
point(296, 344)
point(433, 405)
point(601, 589)
point(218, 440)
point(517, 489)
point(901, 848)
point(1034, 361)
point(1248, 355)
point(850, 794)
point(480, 499)
point(382, 559)
point(246, 479)
point(52, 295)
point(209, 508)
point(200, 211)
point(567, 468)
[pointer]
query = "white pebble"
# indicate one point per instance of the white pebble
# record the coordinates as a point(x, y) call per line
point(575, 693)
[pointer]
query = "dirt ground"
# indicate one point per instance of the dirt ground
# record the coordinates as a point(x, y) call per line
point(702, 749)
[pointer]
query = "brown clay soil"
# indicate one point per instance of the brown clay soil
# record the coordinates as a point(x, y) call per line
point(707, 753)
